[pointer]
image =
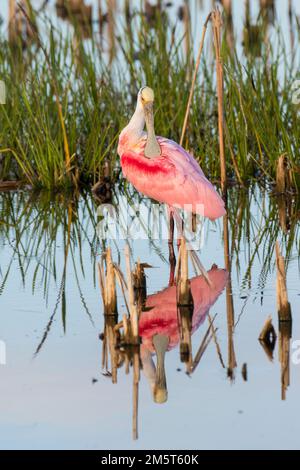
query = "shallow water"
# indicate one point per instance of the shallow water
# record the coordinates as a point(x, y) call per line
point(58, 397)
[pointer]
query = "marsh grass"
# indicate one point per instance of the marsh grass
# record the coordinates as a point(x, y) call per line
point(96, 97)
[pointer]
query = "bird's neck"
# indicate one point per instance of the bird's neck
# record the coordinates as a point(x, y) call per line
point(132, 133)
point(149, 368)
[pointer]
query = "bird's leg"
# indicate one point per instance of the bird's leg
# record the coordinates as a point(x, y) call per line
point(180, 227)
point(172, 258)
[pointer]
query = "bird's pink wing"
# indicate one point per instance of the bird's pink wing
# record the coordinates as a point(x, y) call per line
point(174, 178)
point(195, 187)
point(163, 316)
point(179, 155)
point(204, 296)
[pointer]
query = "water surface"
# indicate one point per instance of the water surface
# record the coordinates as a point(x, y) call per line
point(59, 398)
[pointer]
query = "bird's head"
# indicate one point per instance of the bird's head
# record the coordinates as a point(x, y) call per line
point(145, 102)
point(146, 96)
point(160, 394)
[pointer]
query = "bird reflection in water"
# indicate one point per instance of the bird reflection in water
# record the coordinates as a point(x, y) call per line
point(159, 324)
point(155, 323)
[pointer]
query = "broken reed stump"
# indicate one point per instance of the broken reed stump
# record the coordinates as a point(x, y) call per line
point(267, 338)
point(284, 182)
point(245, 372)
point(123, 348)
point(109, 297)
point(185, 307)
point(111, 338)
point(283, 305)
point(140, 286)
point(284, 358)
point(134, 318)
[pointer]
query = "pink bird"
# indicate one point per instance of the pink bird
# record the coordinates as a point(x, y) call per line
point(159, 329)
point(161, 169)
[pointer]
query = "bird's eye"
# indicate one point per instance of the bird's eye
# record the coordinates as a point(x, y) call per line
point(142, 98)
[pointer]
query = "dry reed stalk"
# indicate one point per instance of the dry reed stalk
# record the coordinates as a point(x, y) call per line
point(284, 180)
point(104, 361)
point(184, 281)
point(283, 305)
point(134, 320)
point(135, 398)
point(9, 185)
point(281, 174)
point(199, 268)
point(122, 283)
point(187, 30)
point(284, 209)
point(140, 288)
point(13, 22)
point(136, 369)
point(126, 328)
point(217, 24)
point(17, 29)
point(110, 286)
point(227, 6)
point(229, 303)
point(185, 306)
point(284, 359)
point(136, 379)
point(203, 346)
point(110, 322)
point(214, 335)
point(111, 25)
point(107, 283)
point(285, 322)
point(187, 112)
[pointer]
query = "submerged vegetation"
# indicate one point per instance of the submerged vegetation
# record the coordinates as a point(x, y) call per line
point(67, 98)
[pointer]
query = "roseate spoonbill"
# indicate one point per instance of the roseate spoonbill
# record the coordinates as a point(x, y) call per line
point(161, 169)
point(158, 324)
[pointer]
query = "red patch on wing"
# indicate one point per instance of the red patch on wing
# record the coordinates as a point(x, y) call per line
point(141, 164)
